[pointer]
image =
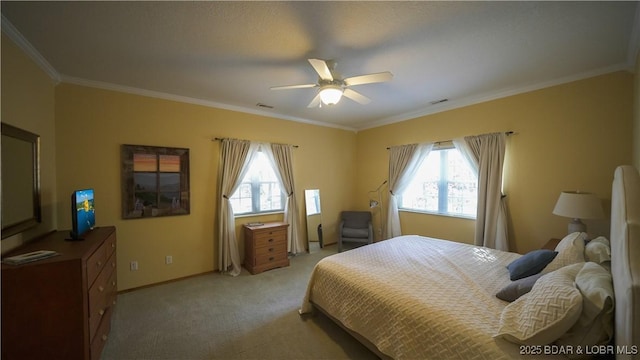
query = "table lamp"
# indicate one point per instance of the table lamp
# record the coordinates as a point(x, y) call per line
point(578, 205)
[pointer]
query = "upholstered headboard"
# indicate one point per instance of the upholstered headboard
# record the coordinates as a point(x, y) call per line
point(625, 255)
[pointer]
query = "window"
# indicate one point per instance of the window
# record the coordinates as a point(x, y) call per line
point(260, 190)
point(444, 184)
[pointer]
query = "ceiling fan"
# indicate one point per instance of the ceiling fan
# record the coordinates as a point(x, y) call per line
point(332, 87)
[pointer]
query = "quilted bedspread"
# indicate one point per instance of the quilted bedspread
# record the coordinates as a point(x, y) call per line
point(417, 298)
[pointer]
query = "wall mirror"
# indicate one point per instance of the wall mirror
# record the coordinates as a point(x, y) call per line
point(20, 180)
point(314, 219)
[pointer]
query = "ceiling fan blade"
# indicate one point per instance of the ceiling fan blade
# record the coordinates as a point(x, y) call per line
point(286, 87)
point(368, 79)
point(322, 69)
point(315, 102)
point(356, 96)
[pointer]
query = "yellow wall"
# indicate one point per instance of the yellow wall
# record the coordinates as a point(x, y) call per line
point(28, 103)
point(569, 137)
point(91, 124)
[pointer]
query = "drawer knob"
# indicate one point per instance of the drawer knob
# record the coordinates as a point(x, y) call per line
point(99, 263)
point(113, 283)
point(113, 264)
point(270, 249)
point(270, 240)
point(100, 288)
point(113, 245)
point(101, 312)
point(271, 258)
point(104, 337)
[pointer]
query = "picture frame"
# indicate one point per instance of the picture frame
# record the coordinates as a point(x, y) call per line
point(155, 181)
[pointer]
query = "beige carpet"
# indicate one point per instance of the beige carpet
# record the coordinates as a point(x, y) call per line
point(215, 316)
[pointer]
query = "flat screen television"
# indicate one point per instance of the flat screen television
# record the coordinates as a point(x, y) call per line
point(83, 213)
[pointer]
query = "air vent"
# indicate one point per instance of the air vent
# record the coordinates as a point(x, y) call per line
point(438, 101)
point(264, 106)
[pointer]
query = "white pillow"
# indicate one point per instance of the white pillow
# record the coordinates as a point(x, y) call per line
point(595, 325)
point(570, 251)
point(551, 308)
point(598, 250)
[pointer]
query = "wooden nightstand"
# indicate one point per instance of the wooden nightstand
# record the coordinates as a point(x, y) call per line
point(551, 244)
point(265, 247)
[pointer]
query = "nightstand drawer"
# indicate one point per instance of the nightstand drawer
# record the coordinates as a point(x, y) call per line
point(278, 247)
point(271, 258)
point(270, 241)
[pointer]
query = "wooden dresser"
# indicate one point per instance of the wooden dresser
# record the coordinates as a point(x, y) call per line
point(60, 307)
point(265, 247)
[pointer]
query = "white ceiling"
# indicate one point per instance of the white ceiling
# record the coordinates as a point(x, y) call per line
point(228, 54)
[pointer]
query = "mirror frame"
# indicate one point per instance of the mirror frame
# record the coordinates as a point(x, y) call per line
point(315, 229)
point(36, 216)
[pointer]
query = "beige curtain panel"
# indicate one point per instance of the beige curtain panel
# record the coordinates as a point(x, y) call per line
point(236, 155)
point(485, 153)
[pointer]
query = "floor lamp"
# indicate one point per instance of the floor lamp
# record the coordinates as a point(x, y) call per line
point(377, 202)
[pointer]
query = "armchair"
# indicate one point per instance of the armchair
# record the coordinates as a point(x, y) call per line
point(355, 226)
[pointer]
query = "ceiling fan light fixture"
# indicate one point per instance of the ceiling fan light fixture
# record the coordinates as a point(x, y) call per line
point(331, 94)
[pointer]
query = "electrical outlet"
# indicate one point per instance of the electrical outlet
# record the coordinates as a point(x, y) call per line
point(168, 260)
point(133, 266)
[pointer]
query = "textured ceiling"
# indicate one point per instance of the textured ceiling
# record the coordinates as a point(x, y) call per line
point(228, 54)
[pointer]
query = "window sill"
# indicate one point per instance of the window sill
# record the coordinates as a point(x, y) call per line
point(258, 214)
point(462, 217)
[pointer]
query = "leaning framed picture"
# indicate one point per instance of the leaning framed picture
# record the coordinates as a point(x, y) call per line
point(155, 181)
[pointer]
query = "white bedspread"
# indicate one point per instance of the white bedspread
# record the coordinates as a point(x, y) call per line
point(417, 298)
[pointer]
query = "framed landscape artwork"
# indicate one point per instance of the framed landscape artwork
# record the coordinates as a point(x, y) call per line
point(155, 181)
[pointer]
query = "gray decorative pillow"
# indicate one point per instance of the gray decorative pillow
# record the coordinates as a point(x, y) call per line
point(518, 288)
point(530, 264)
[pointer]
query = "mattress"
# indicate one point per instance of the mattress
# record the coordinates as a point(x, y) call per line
point(416, 297)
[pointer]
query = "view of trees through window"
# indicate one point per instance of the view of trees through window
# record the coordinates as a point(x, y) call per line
point(260, 190)
point(444, 184)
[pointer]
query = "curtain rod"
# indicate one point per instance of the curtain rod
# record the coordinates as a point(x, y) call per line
point(508, 133)
point(220, 139)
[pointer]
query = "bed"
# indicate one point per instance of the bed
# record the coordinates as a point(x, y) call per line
point(414, 297)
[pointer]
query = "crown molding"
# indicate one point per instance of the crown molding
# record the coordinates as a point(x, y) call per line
point(472, 100)
point(25, 45)
point(190, 100)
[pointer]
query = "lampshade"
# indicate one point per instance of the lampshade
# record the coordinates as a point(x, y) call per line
point(578, 205)
point(331, 94)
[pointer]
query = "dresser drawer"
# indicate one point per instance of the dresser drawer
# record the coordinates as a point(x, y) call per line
point(102, 333)
point(97, 261)
point(101, 295)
